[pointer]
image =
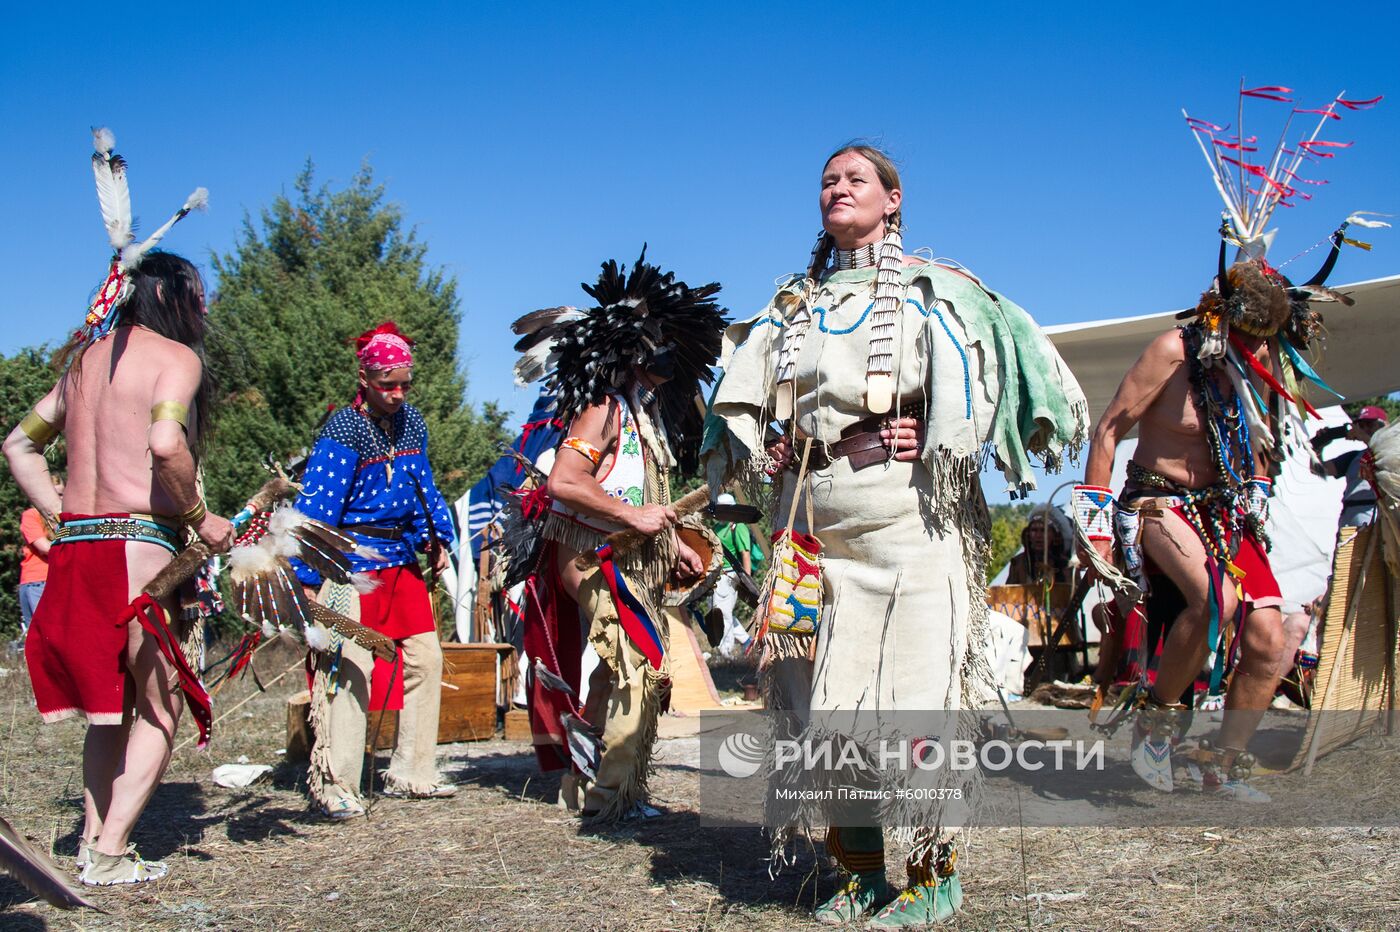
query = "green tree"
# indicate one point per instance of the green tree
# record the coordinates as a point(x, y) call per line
point(24, 378)
point(315, 271)
point(1008, 521)
point(1386, 403)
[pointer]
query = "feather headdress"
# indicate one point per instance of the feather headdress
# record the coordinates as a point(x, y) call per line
point(1252, 186)
point(1251, 295)
point(643, 319)
point(114, 200)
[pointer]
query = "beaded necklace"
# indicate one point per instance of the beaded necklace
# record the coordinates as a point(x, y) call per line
point(1217, 511)
point(385, 437)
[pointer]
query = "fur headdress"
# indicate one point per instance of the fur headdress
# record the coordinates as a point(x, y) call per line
point(644, 319)
point(114, 199)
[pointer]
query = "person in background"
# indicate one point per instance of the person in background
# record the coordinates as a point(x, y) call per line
point(1046, 548)
point(1359, 497)
point(741, 553)
point(34, 561)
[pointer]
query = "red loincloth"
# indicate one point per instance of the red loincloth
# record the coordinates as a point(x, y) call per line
point(76, 648)
point(1258, 585)
point(75, 651)
point(397, 608)
point(1146, 628)
point(554, 635)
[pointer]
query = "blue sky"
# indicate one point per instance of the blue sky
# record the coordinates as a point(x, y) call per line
point(1042, 146)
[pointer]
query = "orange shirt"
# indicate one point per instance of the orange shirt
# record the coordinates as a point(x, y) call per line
point(32, 566)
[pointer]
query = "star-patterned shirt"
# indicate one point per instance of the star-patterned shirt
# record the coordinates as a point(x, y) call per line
point(348, 482)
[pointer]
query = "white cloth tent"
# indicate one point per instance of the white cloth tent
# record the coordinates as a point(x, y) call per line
point(1358, 359)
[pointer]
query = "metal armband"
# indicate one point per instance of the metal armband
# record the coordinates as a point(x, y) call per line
point(37, 429)
point(170, 411)
point(579, 445)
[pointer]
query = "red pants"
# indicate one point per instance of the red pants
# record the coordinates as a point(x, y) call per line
point(399, 607)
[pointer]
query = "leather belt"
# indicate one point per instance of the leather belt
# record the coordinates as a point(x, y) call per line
point(860, 443)
point(378, 533)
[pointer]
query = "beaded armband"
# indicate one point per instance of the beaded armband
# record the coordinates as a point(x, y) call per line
point(38, 429)
point(579, 445)
point(1256, 506)
point(1094, 510)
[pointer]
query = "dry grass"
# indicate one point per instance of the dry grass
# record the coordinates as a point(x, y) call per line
point(501, 855)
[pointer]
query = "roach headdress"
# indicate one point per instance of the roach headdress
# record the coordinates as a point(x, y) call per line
point(114, 199)
point(644, 319)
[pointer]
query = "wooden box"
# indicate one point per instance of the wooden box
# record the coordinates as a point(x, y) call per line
point(467, 713)
point(518, 726)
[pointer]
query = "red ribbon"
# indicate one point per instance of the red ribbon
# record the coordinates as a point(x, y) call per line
point(149, 613)
point(1359, 104)
point(1268, 376)
point(1268, 92)
point(1326, 111)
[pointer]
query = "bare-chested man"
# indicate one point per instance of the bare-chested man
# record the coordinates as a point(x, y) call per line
point(1197, 486)
point(130, 406)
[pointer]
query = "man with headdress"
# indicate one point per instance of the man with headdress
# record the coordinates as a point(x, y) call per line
point(1193, 511)
point(626, 372)
point(132, 405)
point(369, 475)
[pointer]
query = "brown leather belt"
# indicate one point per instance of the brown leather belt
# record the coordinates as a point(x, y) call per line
point(379, 533)
point(860, 443)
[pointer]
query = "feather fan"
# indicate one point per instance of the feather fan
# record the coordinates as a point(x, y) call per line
point(39, 874)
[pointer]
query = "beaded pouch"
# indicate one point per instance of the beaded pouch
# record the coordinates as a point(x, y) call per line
point(792, 600)
point(795, 599)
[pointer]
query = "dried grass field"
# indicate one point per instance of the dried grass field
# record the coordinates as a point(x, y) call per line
point(500, 855)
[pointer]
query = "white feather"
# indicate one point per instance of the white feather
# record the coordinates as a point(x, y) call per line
point(113, 198)
point(269, 630)
point(252, 559)
point(1359, 219)
point(103, 140)
point(317, 637)
point(283, 519)
point(131, 256)
point(363, 584)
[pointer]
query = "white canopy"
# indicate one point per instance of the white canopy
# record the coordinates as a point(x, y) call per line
point(1358, 359)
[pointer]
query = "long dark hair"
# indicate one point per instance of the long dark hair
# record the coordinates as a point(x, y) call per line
point(166, 298)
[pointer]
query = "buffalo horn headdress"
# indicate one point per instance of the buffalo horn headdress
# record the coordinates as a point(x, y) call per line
point(643, 319)
point(1251, 295)
point(114, 199)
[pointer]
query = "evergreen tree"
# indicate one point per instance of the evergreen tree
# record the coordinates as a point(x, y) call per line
point(317, 271)
point(24, 378)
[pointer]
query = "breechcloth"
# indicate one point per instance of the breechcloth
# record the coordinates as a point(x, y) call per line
point(398, 608)
point(76, 645)
point(1258, 587)
point(625, 697)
